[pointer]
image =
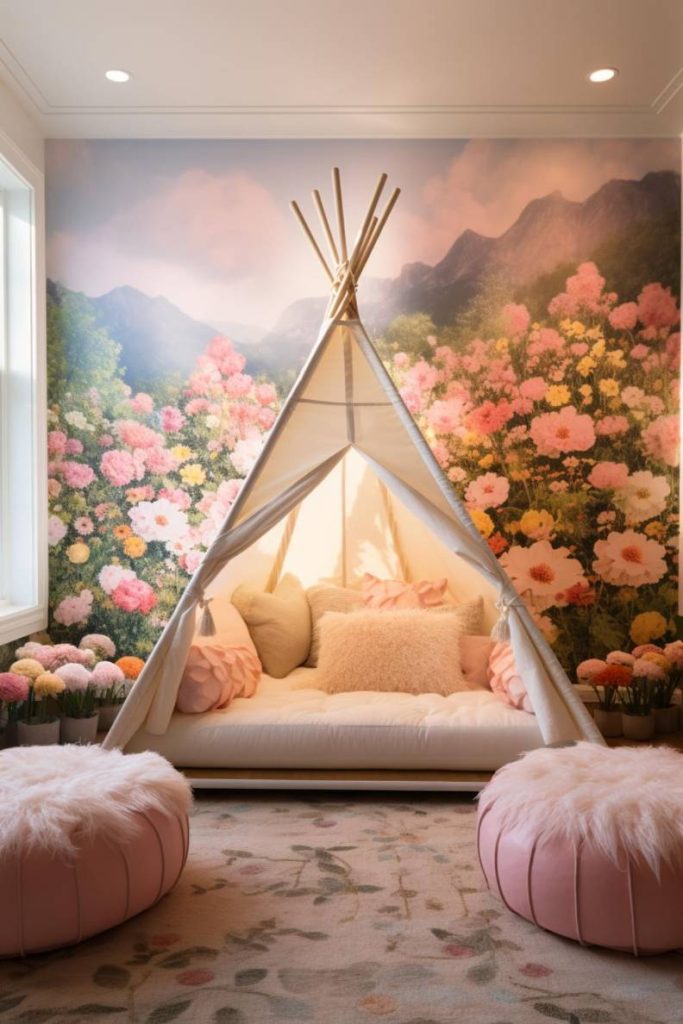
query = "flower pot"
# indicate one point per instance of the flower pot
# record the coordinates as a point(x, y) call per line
point(638, 727)
point(107, 713)
point(37, 734)
point(667, 719)
point(608, 722)
point(79, 730)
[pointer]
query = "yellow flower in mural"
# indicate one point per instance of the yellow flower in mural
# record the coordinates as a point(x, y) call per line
point(586, 392)
point(577, 329)
point(585, 366)
point(616, 359)
point(594, 334)
point(598, 349)
point(646, 627)
point(486, 461)
point(609, 387)
point(181, 453)
point(134, 546)
point(482, 520)
point(655, 529)
point(78, 553)
point(557, 395)
point(502, 345)
point(537, 524)
point(192, 474)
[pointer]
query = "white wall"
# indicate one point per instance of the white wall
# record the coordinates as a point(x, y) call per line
point(20, 135)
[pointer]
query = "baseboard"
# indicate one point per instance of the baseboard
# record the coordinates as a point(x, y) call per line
point(338, 779)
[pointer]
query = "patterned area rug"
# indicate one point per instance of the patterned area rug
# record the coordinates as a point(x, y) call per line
point(336, 910)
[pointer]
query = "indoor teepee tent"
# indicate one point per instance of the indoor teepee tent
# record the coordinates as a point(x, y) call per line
point(346, 483)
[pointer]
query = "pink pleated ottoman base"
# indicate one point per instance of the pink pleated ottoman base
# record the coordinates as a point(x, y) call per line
point(576, 891)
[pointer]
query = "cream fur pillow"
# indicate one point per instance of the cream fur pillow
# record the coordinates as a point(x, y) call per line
point(325, 597)
point(406, 651)
point(279, 624)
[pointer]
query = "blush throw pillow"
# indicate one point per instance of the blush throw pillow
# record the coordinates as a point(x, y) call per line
point(475, 653)
point(505, 680)
point(324, 598)
point(379, 593)
point(231, 629)
point(214, 675)
point(279, 624)
point(404, 651)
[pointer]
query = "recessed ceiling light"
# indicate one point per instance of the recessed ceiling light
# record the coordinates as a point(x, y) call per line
point(117, 75)
point(603, 74)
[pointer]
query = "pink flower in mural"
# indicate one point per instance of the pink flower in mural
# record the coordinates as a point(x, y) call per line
point(488, 491)
point(265, 394)
point(142, 403)
point(171, 418)
point(159, 460)
point(554, 433)
point(111, 575)
point(84, 525)
point(542, 572)
point(534, 388)
point(515, 319)
point(629, 559)
point(134, 595)
point(137, 435)
point(56, 442)
point(445, 416)
point(642, 496)
point(657, 307)
point(584, 293)
point(661, 440)
point(56, 530)
point(624, 317)
point(608, 426)
point(160, 520)
point(74, 610)
point(490, 417)
point(77, 474)
point(608, 475)
point(177, 495)
point(245, 453)
point(120, 468)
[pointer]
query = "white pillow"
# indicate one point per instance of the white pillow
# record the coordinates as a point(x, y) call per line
point(404, 651)
point(279, 624)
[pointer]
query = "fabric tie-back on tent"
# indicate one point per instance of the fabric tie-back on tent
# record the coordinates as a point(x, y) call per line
point(344, 410)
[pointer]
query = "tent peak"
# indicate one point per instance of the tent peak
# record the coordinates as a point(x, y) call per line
point(344, 270)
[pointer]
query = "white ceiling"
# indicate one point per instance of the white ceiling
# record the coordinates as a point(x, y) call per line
point(345, 68)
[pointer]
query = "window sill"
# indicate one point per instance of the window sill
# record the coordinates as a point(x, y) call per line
point(17, 622)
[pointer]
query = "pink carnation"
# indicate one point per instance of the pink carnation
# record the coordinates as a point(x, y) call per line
point(608, 475)
point(134, 596)
point(159, 460)
point(75, 609)
point(56, 442)
point(265, 418)
point(588, 669)
point(98, 644)
point(177, 496)
point(489, 417)
point(624, 317)
point(640, 352)
point(657, 307)
point(554, 433)
point(106, 674)
point(661, 439)
point(265, 394)
point(515, 319)
point(533, 388)
point(119, 467)
point(77, 474)
point(65, 654)
point(13, 688)
point(648, 670)
point(674, 652)
point(142, 403)
point(74, 677)
point(74, 446)
point(137, 435)
point(172, 420)
point(105, 440)
point(238, 385)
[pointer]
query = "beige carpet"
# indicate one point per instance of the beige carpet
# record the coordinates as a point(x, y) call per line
point(336, 910)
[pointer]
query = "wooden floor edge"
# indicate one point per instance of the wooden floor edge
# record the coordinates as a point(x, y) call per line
point(240, 778)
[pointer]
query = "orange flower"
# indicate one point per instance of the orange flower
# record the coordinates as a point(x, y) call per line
point(131, 666)
point(134, 546)
point(613, 675)
point(121, 532)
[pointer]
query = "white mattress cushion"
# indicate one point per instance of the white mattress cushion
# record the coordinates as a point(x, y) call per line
point(285, 726)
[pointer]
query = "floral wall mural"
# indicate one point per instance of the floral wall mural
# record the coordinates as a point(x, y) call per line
point(525, 299)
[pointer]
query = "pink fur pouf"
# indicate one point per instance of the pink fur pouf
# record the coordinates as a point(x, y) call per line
point(587, 842)
point(88, 838)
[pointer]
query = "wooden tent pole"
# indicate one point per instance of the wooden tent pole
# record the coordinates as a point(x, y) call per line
point(339, 204)
point(309, 235)
point(317, 199)
point(380, 227)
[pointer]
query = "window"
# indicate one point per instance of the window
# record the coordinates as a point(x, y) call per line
point(23, 473)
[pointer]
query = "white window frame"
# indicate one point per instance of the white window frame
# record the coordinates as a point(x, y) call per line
point(23, 399)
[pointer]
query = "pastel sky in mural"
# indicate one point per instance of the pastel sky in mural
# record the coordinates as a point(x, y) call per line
point(207, 224)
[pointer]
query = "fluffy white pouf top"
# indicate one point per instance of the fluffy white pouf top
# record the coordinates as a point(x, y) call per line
point(623, 798)
point(52, 797)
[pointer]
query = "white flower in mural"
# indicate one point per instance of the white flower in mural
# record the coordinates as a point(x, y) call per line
point(541, 572)
point(158, 520)
point(56, 530)
point(76, 419)
point(629, 559)
point(245, 454)
point(643, 496)
point(111, 575)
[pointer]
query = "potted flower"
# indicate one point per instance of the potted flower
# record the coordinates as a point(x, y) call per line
point(39, 722)
point(110, 684)
point(638, 722)
point(13, 692)
point(662, 687)
point(606, 684)
point(79, 705)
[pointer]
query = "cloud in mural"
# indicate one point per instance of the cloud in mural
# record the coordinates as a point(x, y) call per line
point(488, 184)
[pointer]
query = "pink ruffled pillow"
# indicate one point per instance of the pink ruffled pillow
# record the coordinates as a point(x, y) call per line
point(214, 675)
point(505, 680)
point(391, 594)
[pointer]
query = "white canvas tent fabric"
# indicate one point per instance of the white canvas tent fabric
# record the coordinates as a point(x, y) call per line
point(344, 411)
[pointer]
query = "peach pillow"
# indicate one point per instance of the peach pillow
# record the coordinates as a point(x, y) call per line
point(379, 593)
point(231, 629)
point(504, 679)
point(404, 651)
point(475, 652)
point(326, 597)
point(214, 675)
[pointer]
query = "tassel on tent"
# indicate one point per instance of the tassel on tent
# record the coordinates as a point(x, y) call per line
point(207, 627)
point(501, 628)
